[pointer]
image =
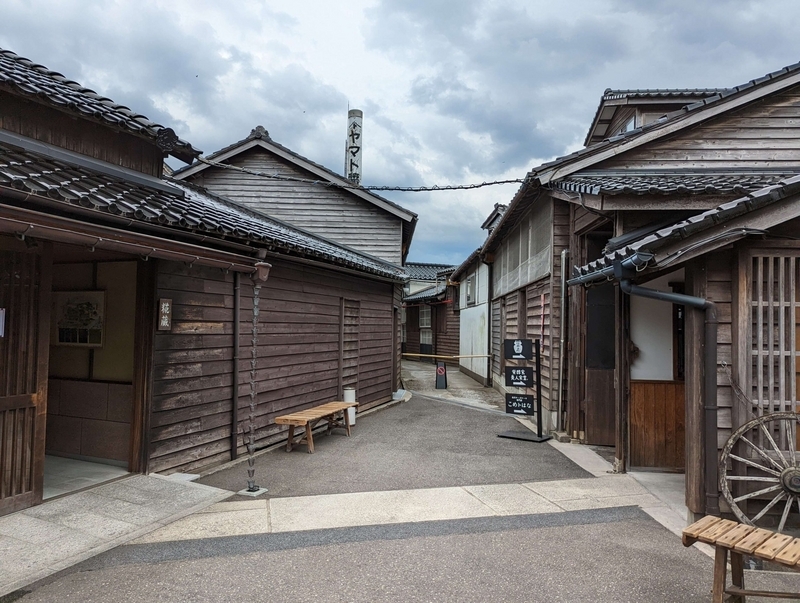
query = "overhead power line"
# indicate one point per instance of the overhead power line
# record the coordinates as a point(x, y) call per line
point(327, 183)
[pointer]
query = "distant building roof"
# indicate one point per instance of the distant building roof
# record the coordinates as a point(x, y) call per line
point(167, 204)
point(429, 293)
point(419, 271)
point(22, 76)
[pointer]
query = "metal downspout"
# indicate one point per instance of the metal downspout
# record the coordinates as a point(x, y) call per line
point(710, 408)
point(562, 343)
point(237, 309)
point(489, 293)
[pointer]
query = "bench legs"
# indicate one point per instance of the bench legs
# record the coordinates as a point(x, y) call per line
point(737, 576)
point(720, 572)
point(309, 438)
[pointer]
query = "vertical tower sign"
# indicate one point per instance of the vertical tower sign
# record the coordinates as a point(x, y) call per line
point(352, 159)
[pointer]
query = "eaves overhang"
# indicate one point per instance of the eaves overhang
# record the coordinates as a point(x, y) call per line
point(751, 215)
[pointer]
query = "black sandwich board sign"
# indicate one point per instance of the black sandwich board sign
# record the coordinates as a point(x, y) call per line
point(519, 376)
point(523, 404)
point(519, 404)
point(518, 349)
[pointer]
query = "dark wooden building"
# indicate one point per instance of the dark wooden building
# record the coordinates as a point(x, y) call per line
point(432, 320)
point(138, 314)
point(632, 364)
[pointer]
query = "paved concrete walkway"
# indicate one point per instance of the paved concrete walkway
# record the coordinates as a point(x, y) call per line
point(423, 503)
point(301, 513)
point(42, 540)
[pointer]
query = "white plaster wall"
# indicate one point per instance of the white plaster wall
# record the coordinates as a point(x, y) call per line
point(651, 332)
point(474, 338)
point(474, 322)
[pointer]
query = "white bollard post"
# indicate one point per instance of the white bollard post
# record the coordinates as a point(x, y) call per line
point(350, 396)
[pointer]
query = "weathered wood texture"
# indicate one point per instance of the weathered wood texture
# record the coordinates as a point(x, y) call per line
point(25, 296)
point(326, 211)
point(538, 316)
point(697, 285)
point(45, 124)
point(762, 135)
point(412, 330)
point(299, 354)
point(657, 424)
point(720, 267)
point(495, 350)
point(447, 326)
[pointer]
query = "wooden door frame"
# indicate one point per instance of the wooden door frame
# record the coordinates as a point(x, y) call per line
point(39, 398)
point(142, 386)
point(42, 366)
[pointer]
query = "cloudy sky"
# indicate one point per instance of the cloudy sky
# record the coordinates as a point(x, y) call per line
point(453, 91)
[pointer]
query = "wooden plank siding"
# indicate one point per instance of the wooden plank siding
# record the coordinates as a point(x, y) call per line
point(102, 142)
point(719, 268)
point(537, 317)
point(190, 421)
point(412, 330)
point(299, 354)
point(325, 211)
point(762, 135)
point(448, 326)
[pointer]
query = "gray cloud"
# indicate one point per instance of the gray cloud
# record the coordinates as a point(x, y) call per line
point(483, 89)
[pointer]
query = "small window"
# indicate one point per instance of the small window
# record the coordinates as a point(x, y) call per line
point(426, 337)
point(471, 290)
point(629, 125)
point(424, 317)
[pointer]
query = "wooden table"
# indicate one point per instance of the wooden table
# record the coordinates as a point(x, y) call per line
point(738, 539)
point(311, 416)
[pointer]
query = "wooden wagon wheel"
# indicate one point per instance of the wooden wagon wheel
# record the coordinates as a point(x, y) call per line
point(767, 445)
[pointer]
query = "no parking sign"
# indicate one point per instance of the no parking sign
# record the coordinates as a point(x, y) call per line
point(441, 375)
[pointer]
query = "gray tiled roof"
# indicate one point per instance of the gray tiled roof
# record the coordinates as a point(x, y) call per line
point(188, 209)
point(631, 183)
point(25, 77)
point(652, 242)
point(427, 293)
point(426, 272)
point(665, 93)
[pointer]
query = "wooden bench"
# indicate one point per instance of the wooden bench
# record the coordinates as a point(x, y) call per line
point(739, 539)
point(311, 416)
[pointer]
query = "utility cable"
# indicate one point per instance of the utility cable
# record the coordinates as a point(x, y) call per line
point(326, 183)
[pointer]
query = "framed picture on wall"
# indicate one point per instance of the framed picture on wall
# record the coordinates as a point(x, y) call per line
point(78, 318)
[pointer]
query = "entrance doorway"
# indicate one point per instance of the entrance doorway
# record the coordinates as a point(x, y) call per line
point(90, 409)
point(75, 350)
point(599, 351)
